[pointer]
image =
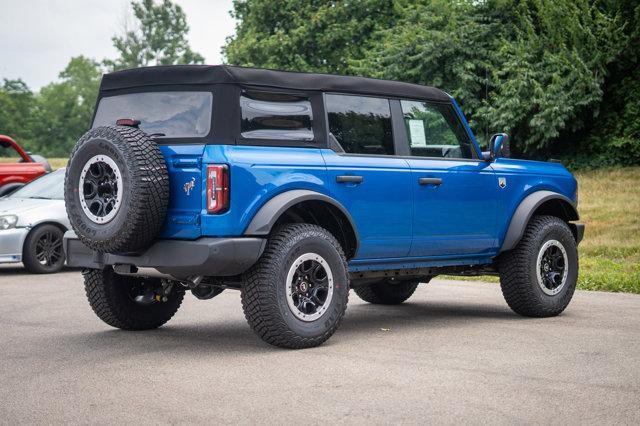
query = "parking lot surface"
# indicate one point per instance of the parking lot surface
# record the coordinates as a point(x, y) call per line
point(454, 353)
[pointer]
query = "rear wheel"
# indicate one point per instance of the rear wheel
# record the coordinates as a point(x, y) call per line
point(297, 293)
point(538, 277)
point(42, 252)
point(131, 303)
point(386, 292)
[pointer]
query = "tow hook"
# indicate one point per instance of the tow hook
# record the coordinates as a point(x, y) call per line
point(163, 296)
point(157, 295)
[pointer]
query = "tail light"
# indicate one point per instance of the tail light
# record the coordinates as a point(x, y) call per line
point(217, 188)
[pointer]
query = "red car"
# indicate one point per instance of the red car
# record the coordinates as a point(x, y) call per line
point(15, 175)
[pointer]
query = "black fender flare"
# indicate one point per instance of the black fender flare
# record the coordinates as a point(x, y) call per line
point(525, 210)
point(270, 212)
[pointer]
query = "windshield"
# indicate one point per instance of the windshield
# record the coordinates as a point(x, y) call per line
point(47, 187)
point(165, 114)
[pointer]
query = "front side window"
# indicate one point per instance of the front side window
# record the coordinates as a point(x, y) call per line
point(434, 130)
point(362, 125)
point(164, 114)
point(282, 116)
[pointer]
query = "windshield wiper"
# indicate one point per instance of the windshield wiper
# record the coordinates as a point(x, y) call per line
point(38, 197)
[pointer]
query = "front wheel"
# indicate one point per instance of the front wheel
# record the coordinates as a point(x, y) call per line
point(538, 277)
point(297, 293)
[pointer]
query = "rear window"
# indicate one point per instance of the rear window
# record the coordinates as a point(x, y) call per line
point(362, 125)
point(165, 114)
point(280, 116)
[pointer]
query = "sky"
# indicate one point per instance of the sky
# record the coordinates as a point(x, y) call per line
point(38, 37)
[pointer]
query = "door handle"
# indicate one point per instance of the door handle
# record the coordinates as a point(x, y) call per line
point(430, 181)
point(349, 179)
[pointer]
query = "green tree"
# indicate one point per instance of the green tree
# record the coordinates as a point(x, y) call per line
point(63, 110)
point(315, 35)
point(542, 70)
point(533, 68)
point(441, 43)
point(16, 106)
point(554, 63)
point(160, 38)
point(614, 138)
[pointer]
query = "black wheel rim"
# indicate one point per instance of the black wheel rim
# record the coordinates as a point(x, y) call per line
point(552, 267)
point(309, 287)
point(49, 249)
point(100, 189)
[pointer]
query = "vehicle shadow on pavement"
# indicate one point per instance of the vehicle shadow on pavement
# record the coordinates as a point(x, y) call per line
point(363, 318)
point(211, 338)
point(18, 269)
point(13, 270)
point(204, 339)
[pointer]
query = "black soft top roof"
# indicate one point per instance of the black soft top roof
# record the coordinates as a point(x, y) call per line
point(225, 74)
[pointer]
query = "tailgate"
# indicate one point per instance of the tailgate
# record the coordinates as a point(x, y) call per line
point(186, 181)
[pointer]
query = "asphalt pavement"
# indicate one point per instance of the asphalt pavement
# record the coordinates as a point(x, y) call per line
point(454, 353)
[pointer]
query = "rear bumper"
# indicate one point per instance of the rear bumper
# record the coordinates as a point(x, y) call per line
point(209, 257)
point(11, 243)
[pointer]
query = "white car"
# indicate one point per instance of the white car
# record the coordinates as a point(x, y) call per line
point(32, 222)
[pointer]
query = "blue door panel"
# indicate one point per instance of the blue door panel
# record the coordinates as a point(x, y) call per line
point(381, 206)
point(458, 217)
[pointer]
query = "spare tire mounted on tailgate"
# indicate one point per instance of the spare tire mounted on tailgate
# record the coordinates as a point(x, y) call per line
point(116, 189)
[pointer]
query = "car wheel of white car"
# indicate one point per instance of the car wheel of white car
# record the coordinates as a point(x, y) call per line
point(42, 252)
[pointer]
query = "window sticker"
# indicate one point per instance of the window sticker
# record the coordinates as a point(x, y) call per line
point(416, 130)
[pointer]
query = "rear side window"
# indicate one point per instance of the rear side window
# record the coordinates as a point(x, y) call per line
point(165, 114)
point(362, 125)
point(282, 116)
point(434, 130)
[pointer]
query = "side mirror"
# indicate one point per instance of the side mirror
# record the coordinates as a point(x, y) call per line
point(498, 147)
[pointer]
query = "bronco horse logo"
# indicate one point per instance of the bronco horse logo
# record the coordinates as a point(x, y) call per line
point(189, 186)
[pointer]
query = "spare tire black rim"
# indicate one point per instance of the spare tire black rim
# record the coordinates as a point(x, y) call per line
point(309, 287)
point(552, 267)
point(100, 189)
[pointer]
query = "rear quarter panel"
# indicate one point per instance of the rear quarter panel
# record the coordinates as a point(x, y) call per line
point(525, 177)
point(257, 174)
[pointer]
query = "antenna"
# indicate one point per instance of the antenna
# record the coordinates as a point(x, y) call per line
point(486, 100)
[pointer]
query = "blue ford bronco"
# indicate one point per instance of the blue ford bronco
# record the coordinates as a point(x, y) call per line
point(295, 188)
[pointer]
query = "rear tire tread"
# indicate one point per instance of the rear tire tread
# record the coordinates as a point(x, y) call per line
point(103, 296)
point(259, 291)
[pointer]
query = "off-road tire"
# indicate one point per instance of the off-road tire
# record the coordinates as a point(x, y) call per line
point(108, 295)
point(518, 269)
point(386, 292)
point(145, 184)
point(29, 256)
point(264, 298)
